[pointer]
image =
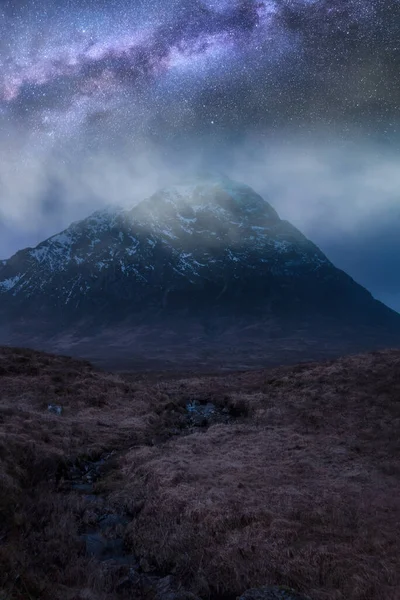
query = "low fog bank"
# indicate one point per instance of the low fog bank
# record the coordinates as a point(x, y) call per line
point(341, 194)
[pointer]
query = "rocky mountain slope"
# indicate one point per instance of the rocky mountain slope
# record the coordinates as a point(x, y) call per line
point(195, 262)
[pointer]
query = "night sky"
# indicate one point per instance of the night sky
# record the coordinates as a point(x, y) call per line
point(103, 101)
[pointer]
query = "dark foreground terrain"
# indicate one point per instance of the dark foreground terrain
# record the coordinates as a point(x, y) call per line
point(115, 486)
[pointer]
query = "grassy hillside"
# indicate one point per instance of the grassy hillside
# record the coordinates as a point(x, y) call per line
point(288, 476)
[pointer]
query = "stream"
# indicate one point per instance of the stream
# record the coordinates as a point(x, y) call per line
point(102, 532)
point(102, 527)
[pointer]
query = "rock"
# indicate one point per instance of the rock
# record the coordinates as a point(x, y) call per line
point(130, 583)
point(202, 415)
point(55, 409)
point(145, 565)
point(111, 521)
point(82, 487)
point(168, 589)
point(122, 579)
point(101, 548)
point(272, 592)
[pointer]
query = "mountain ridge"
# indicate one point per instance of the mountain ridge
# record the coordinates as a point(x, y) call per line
point(196, 252)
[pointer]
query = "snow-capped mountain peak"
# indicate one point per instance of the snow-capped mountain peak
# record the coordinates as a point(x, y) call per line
point(198, 223)
point(204, 247)
point(210, 235)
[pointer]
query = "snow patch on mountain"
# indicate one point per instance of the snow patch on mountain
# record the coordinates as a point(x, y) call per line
point(8, 284)
point(211, 230)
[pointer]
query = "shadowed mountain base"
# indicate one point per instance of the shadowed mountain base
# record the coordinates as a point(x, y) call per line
point(203, 342)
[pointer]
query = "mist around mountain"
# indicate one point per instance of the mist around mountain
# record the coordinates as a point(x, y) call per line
point(204, 272)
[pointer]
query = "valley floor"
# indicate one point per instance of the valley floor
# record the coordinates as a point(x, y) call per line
point(126, 486)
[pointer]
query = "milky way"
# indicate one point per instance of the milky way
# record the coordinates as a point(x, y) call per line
point(159, 66)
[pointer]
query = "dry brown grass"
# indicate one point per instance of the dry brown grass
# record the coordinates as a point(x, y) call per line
point(302, 489)
point(304, 492)
point(39, 551)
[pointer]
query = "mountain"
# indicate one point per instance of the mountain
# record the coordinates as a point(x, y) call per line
point(204, 271)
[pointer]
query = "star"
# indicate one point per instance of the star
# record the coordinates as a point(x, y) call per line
point(137, 59)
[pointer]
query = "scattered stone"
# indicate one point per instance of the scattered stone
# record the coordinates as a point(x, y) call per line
point(272, 592)
point(55, 409)
point(102, 534)
point(203, 415)
point(81, 475)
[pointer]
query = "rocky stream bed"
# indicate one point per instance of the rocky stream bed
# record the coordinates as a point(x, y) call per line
point(102, 530)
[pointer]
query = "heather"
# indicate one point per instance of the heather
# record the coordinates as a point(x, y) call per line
point(293, 477)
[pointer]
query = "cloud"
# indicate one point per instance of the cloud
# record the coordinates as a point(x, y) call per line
point(327, 186)
point(343, 195)
point(104, 102)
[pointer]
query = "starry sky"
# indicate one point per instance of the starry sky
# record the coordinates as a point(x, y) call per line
point(103, 101)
